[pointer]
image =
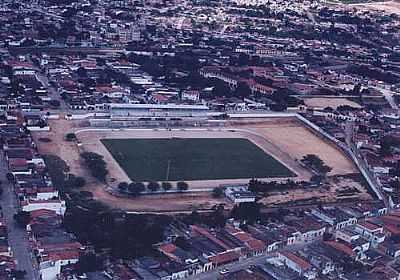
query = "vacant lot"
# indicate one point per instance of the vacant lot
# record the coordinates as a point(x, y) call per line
point(385, 6)
point(193, 159)
point(318, 102)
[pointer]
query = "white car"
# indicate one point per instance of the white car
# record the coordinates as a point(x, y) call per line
point(224, 271)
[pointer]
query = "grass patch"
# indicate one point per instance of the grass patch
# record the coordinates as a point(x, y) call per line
point(193, 159)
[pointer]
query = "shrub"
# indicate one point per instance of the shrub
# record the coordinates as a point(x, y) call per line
point(153, 186)
point(166, 186)
point(182, 186)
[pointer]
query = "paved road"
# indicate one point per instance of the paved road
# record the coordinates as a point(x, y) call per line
point(17, 237)
point(52, 92)
point(389, 97)
point(214, 274)
point(240, 265)
point(363, 166)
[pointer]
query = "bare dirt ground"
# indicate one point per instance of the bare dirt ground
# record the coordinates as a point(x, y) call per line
point(324, 194)
point(292, 137)
point(69, 152)
point(90, 141)
point(389, 7)
point(283, 138)
point(319, 102)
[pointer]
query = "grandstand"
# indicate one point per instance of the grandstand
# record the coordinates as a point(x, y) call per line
point(122, 115)
point(157, 110)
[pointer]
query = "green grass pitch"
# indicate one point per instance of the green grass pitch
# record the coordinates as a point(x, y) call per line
point(193, 159)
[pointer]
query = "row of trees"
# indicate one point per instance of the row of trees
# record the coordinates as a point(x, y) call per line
point(317, 164)
point(136, 188)
point(60, 176)
point(96, 165)
point(258, 186)
point(125, 235)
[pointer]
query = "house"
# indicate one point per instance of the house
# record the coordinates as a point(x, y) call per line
point(239, 194)
point(335, 217)
point(254, 246)
point(370, 231)
point(298, 264)
point(308, 228)
point(224, 258)
point(51, 263)
point(56, 205)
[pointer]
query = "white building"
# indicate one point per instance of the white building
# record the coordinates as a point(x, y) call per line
point(239, 194)
point(56, 205)
point(157, 110)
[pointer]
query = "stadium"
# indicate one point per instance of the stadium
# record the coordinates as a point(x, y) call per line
point(216, 153)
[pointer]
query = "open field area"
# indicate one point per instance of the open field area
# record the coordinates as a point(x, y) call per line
point(296, 141)
point(281, 140)
point(193, 159)
point(385, 6)
point(318, 102)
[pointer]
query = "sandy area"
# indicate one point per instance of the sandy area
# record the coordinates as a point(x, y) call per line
point(325, 194)
point(297, 141)
point(319, 102)
point(386, 6)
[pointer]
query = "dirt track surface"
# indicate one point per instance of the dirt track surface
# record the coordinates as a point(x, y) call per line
point(318, 102)
point(285, 139)
point(386, 6)
point(295, 140)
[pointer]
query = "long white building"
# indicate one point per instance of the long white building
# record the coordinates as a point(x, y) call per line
point(156, 111)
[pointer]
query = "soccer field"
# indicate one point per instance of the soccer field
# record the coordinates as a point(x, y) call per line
point(176, 159)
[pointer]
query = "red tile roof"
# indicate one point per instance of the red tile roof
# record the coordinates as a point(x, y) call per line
point(370, 226)
point(167, 248)
point(296, 259)
point(225, 257)
point(341, 247)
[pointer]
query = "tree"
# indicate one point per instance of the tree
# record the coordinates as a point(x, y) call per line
point(89, 263)
point(80, 182)
point(18, 274)
point(166, 186)
point(10, 177)
point(55, 103)
point(242, 90)
point(74, 182)
point(96, 165)
point(243, 59)
point(314, 162)
point(136, 188)
point(317, 179)
point(182, 186)
point(248, 211)
point(81, 72)
point(140, 186)
point(123, 186)
point(153, 186)
point(386, 143)
point(217, 192)
point(57, 169)
point(22, 218)
point(220, 89)
point(70, 137)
